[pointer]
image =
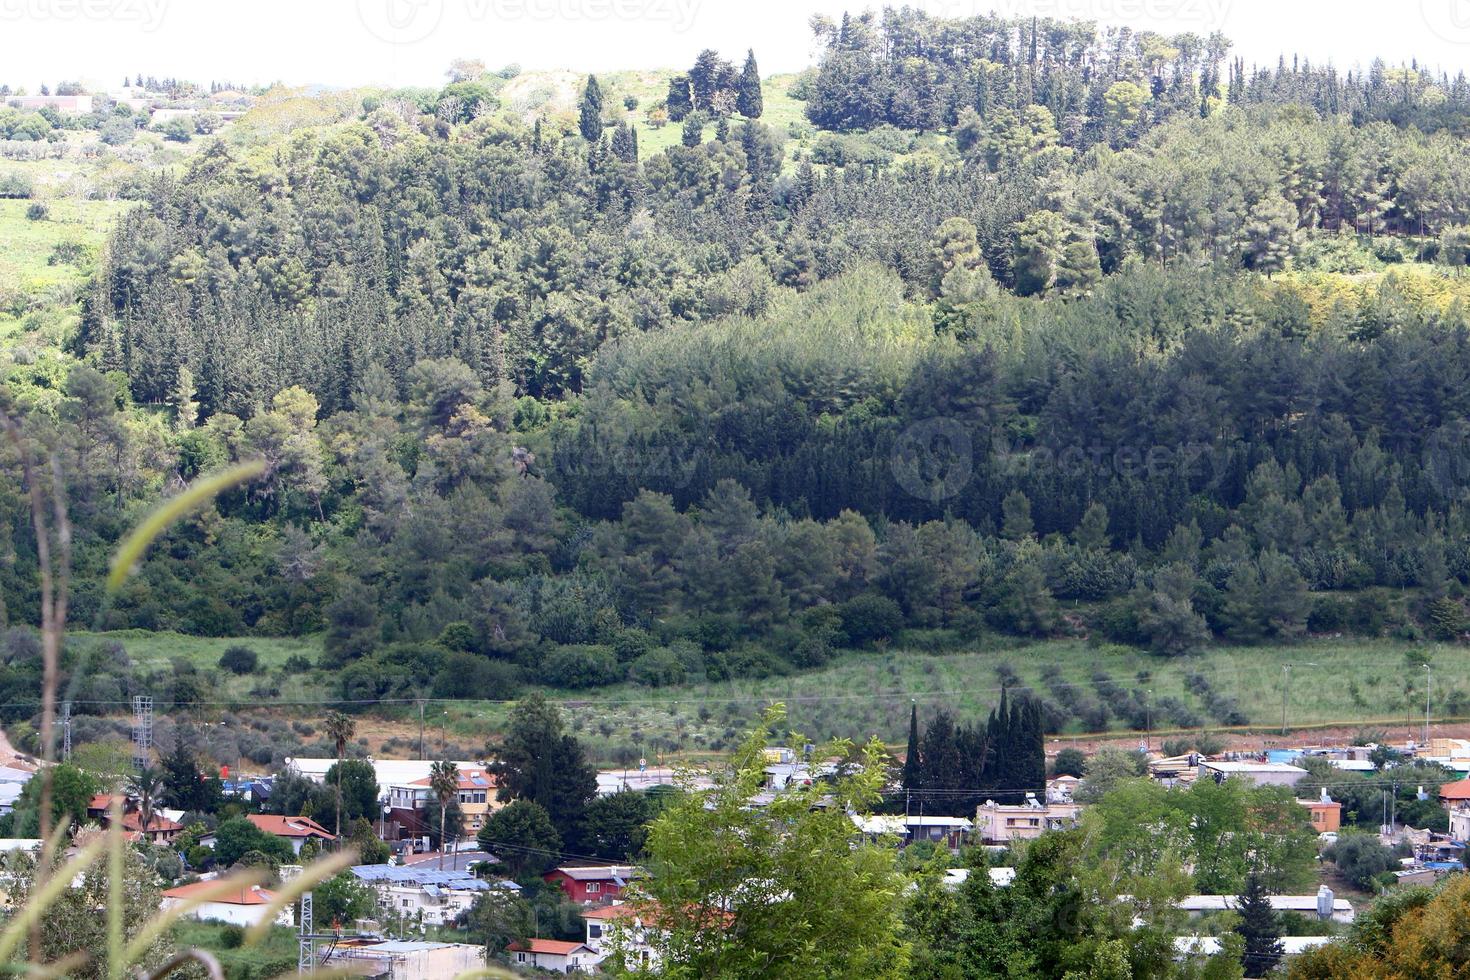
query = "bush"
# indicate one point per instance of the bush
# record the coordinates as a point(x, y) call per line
point(581, 666)
point(656, 668)
point(38, 212)
point(870, 618)
point(239, 660)
point(16, 185)
point(1070, 762)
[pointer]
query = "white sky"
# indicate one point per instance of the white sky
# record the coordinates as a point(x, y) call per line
point(410, 42)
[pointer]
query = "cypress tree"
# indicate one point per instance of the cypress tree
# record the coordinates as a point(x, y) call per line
point(1260, 928)
point(911, 764)
point(748, 99)
point(590, 120)
point(625, 143)
point(679, 101)
point(693, 133)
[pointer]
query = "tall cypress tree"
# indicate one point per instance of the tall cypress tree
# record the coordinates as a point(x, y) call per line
point(590, 120)
point(1260, 928)
point(679, 101)
point(748, 99)
point(911, 765)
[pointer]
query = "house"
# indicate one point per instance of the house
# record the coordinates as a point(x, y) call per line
point(998, 823)
point(610, 781)
point(389, 772)
point(476, 796)
point(160, 829)
point(296, 831)
point(1256, 773)
point(1062, 789)
point(424, 893)
point(592, 884)
point(1326, 814)
point(244, 907)
point(553, 955)
point(390, 959)
point(632, 929)
point(942, 831)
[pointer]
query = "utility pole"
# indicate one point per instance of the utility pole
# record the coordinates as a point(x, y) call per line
point(421, 728)
point(66, 731)
point(1428, 682)
point(1286, 687)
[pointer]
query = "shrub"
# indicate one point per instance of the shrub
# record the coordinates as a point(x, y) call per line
point(38, 212)
point(581, 666)
point(656, 668)
point(239, 660)
point(869, 618)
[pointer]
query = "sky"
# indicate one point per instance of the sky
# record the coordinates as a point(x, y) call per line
point(411, 42)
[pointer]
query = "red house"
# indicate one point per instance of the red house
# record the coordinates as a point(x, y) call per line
point(592, 884)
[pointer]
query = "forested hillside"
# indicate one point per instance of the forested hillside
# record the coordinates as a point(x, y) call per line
point(1147, 348)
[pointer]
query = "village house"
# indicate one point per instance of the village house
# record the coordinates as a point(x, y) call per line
point(633, 931)
point(998, 823)
point(243, 907)
point(941, 831)
point(1256, 773)
point(592, 884)
point(1325, 813)
point(554, 956)
point(424, 893)
point(295, 831)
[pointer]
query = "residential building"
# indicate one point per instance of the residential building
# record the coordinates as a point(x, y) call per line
point(244, 907)
point(634, 929)
point(554, 956)
point(1001, 823)
point(1326, 814)
point(1256, 773)
point(592, 884)
point(476, 796)
point(296, 831)
point(424, 893)
point(942, 831)
point(391, 959)
point(389, 772)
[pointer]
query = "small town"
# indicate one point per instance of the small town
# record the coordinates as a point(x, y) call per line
point(735, 489)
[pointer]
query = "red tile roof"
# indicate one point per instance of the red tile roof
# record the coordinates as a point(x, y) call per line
point(1458, 790)
point(552, 946)
point(279, 826)
point(158, 825)
point(254, 895)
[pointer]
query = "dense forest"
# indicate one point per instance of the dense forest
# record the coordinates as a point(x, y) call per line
point(1151, 349)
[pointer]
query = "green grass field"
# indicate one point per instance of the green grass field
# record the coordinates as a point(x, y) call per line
point(1344, 683)
point(29, 244)
point(156, 651)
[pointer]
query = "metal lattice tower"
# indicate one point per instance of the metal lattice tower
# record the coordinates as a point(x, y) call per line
point(142, 730)
point(306, 955)
point(66, 731)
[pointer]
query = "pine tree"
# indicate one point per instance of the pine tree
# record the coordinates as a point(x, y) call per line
point(693, 133)
point(911, 763)
point(749, 101)
point(590, 119)
point(1260, 928)
point(625, 143)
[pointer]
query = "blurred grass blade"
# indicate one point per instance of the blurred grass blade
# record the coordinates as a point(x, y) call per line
point(234, 882)
point(58, 881)
point(198, 493)
point(313, 874)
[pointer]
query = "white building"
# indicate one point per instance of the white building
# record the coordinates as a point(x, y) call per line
point(1256, 773)
point(391, 959)
point(389, 772)
point(244, 907)
point(554, 956)
point(439, 897)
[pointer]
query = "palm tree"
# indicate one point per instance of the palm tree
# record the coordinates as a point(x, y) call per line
point(146, 784)
point(444, 783)
point(340, 729)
